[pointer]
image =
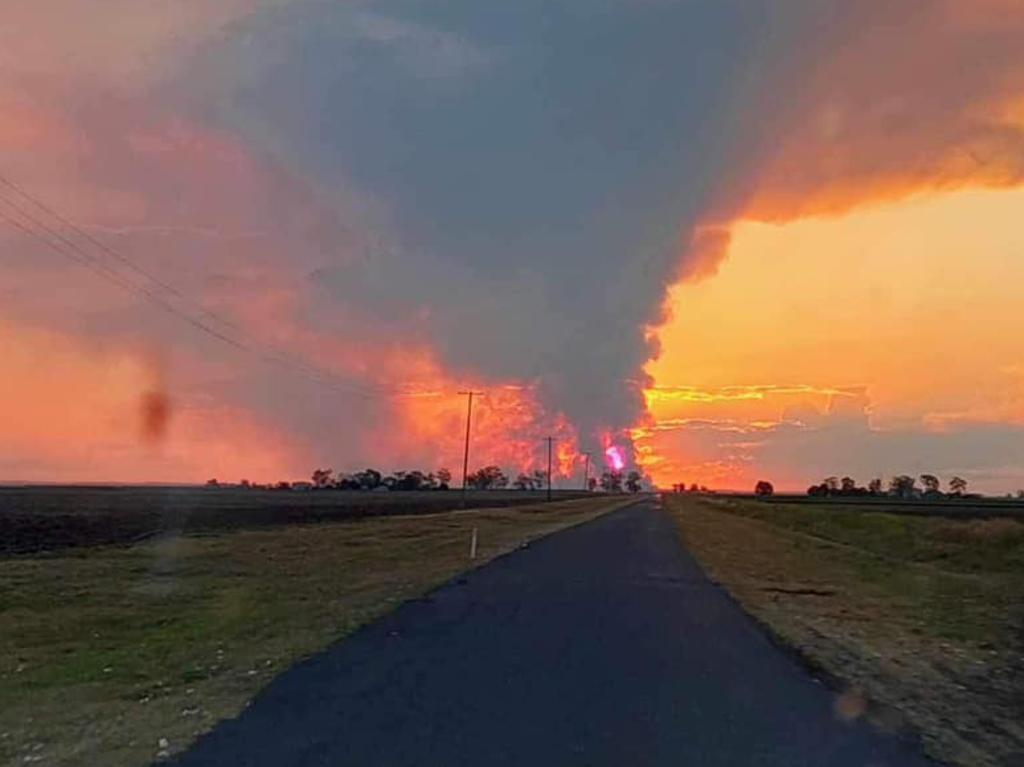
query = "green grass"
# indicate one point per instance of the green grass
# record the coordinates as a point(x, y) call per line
point(106, 651)
point(923, 615)
point(980, 545)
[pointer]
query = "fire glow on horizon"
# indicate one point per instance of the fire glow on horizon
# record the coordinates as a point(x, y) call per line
point(613, 456)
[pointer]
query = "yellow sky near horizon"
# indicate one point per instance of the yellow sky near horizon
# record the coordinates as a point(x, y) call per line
point(917, 301)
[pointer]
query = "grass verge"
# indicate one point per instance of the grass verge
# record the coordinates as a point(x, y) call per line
point(117, 656)
point(921, 620)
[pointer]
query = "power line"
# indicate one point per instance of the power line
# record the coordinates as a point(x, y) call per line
point(51, 236)
point(250, 346)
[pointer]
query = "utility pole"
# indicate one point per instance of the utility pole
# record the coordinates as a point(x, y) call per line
point(550, 441)
point(586, 472)
point(465, 455)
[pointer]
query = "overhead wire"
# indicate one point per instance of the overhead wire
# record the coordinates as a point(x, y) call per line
point(54, 238)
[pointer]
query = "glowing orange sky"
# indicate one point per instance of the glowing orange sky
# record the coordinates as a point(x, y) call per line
point(848, 295)
point(908, 309)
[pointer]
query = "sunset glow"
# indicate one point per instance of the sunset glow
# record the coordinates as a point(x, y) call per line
point(708, 277)
point(788, 360)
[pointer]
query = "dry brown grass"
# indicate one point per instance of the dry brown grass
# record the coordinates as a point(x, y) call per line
point(920, 618)
point(106, 651)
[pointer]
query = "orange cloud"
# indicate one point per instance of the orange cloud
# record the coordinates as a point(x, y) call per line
point(916, 302)
point(892, 100)
point(78, 411)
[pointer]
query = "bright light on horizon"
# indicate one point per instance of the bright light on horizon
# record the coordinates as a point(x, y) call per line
point(615, 458)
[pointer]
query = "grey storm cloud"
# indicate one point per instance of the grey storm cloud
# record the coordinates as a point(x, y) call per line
point(532, 165)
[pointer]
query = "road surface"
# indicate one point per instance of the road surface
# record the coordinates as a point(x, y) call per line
point(601, 645)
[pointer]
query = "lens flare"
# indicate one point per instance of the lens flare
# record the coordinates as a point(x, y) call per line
point(614, 457)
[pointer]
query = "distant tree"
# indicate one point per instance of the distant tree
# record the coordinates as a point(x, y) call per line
point(832, 485)
point(633, 481)
point(694, 488)
point(212, 483)
point(764, 488)
point(406, 481)
point(347, 482)
point(1020, 495)
point(540, 478)
point(370, 479)
point(931, 484)
point(903, 486)
point(875, 486)
point(488, 478)
point(244, 483)
point(322, 478)
point(283, 486)
point(957, 486)
point(817, 491)
point(847, 486)
point(592, 484)
point(444, 479)
point(611, 481)
point(523, 482)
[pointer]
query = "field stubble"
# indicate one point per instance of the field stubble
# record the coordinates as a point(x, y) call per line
point(117, 655)
point(921, 620)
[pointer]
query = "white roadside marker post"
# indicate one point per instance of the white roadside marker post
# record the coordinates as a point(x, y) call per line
point(472, 545)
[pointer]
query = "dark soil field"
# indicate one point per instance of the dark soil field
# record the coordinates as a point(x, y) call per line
point(35, 519)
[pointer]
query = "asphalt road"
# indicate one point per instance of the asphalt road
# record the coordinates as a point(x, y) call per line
point(601, 645)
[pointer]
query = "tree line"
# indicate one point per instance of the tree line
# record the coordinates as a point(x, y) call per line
point(486, 478)
point(680, 487)
point(902, 486)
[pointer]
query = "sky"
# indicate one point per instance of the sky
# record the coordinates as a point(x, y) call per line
point(740, 239)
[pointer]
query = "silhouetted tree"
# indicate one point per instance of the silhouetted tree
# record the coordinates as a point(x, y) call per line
point(875, 486)
point(611, 481)
point(902, 486)
point(831, 484)
point(764, 488)
point(591, 484)
point(444, 479)
point(633, 481)
point(523, 482)
point(957, 486)
point(370, 479)
point(406, 481)
point(847, 486)
point(322, 478)
point(931, 484)
point(488, 478)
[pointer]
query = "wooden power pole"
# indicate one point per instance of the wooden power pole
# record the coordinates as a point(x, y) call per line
point(465, 454)
point(550, 441)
